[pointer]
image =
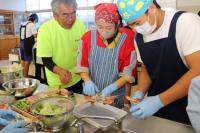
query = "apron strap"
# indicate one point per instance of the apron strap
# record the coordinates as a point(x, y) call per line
point(23, 26)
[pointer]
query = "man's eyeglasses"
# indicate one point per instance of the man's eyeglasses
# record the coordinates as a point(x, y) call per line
point(68, 15)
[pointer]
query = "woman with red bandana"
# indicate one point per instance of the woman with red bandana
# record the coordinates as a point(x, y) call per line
point(107, 56)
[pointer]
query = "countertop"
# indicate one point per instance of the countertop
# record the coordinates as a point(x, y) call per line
point(129, 124)
point(132, 125)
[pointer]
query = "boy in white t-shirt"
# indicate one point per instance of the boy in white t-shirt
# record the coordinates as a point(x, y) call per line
point(28, 34)
point(193, 108)
point(168, 47)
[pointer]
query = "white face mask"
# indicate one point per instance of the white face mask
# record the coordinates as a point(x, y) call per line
point(106, 35)
point(146, 28)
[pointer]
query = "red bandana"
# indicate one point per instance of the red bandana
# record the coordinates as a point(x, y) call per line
point(107, 11)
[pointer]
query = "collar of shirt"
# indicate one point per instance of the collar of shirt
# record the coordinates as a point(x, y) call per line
point(113, 44)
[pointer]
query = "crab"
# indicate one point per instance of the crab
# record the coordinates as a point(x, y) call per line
point(3, 106)
point(99, 98)
point(133, 100)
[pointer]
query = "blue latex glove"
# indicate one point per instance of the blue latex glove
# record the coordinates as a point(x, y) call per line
point(90, 88)
point(109, 89)
point(147, 107)
point(14, 128)
point(6, 115)
point(138, 95)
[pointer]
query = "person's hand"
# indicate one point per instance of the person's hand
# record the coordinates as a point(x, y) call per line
point(90, 88)
point(14, 128)
point(146, 107)
point(64, 75)
point(138, 95)
point(6, 115)
point(109, 89)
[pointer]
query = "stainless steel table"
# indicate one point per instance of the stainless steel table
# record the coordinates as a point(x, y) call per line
point(131, 125)
point(154, 125)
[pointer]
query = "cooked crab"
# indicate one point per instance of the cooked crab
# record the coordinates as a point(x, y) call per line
point(99, 98)
point(132, 100)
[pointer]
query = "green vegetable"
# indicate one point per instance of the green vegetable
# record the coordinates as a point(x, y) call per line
point(22, 104)
point(49, 109)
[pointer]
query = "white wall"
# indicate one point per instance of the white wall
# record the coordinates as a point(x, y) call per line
point(189, 5)
point(179, 3)
point(186, 5)
point(167, 3)
point(188, 2)
point(17, 5)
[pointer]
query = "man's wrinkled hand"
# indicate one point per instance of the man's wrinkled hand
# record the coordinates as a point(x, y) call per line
point(64, 75)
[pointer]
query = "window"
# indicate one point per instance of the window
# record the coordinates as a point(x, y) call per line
point(37, 5)
point(88, 17)
point(86, 3)
point(46, 4)
point(43, 17)
point(32, 5)
point(85, 11)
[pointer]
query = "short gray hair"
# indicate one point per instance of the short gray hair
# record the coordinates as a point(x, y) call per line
point(56, 3)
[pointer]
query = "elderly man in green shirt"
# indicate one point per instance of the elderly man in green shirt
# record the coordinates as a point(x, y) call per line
point(57, 44)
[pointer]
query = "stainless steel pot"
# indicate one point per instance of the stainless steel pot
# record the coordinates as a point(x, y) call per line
point(10, 72)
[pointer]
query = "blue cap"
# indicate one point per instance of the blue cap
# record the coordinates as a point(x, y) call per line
point(132, 9)
point(33, 17)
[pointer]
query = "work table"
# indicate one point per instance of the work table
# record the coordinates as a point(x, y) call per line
point(129, 124)
point(150, 125)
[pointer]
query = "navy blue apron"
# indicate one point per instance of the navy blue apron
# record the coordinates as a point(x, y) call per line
point(103, 63)
point(165, 67)
point(29, 42)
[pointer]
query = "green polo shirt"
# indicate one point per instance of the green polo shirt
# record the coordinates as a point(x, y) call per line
point(62, 45)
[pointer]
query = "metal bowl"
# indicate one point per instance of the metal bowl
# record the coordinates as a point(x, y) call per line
point(21, 87)
point(53, 122)
point(10, 72)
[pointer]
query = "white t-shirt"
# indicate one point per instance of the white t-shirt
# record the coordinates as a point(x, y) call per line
point(187, 33)
point(30, 30)
point(38, 59)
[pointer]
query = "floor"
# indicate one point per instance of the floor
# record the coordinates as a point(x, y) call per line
point(5, 62)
